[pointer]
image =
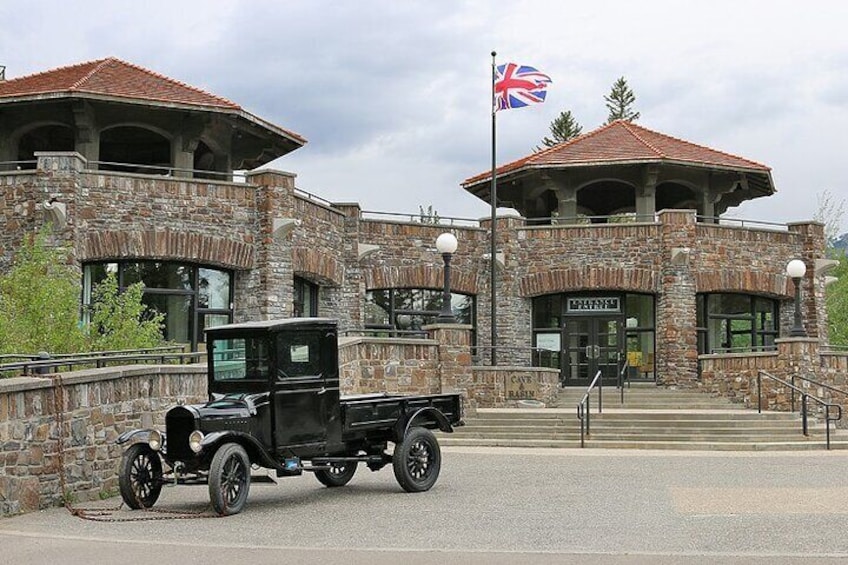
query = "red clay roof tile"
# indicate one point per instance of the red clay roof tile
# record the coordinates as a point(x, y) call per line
point(113, 78)
point(618, 142)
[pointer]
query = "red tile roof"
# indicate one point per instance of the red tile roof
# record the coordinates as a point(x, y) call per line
point(111, 77)
point(623, 142)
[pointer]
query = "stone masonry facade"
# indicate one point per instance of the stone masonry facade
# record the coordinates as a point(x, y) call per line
point(267, 233)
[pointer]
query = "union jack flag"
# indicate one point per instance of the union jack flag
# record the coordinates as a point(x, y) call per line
point(517, 86)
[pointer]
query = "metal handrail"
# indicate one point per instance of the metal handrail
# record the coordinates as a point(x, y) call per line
point(804, 396)
point(52, 365)
point(584, 410)
point(622, 378)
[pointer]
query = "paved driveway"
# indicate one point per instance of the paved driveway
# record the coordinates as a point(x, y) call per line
point(491, 505)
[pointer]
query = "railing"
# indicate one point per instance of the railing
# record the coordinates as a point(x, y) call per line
point(46, 366)
point(387, 332)
point(419, 218)
point(738, 222)
point(535, 353)
point(584, 410)
point(17, 166)
point(804, 411)
point(581, 220)
point(622, 378)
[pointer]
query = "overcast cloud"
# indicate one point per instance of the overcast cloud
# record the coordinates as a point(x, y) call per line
point(394, 96)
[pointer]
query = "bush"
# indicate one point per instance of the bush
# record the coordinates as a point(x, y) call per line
point(40, 308)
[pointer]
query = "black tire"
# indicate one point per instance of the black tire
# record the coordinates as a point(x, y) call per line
point(338, 475)
point(229, 479)
point(417, 460)
point(140, 476)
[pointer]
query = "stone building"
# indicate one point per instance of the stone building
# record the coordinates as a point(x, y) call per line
point(620, 255)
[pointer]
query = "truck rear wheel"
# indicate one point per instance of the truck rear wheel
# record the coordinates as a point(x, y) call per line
point(338, 475)
point(417, 460)
point(229, 479)
point(140, 476)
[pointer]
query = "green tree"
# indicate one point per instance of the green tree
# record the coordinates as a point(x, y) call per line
point(120, 320)
point(837, 304)
point(620, 102)
point(428, 216)
point(829, 212)
point(563, 128)
point(40, 307)
point(40, 301)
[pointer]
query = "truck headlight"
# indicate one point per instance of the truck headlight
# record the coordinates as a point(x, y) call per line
point(194, 440)
point(154, 440)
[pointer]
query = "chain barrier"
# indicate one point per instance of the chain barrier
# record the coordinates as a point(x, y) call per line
point(105, 514)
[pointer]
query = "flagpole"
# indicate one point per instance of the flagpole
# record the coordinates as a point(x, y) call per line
point(494, 249)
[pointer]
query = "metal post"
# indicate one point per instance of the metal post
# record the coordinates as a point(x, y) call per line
point(759, 393)
point(804, 413)
point(446, 316)
point(494, 247)
point(798, 326)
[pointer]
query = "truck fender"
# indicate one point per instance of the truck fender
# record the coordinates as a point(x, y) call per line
point(139, 434)
point(427, 414)
point(254, 449)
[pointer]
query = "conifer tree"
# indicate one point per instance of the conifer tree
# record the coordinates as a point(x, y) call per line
point(620, 102)
point(563, 128)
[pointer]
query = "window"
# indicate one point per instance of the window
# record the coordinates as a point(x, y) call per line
point(192, 297)
point(305, 303)
point(405, 310)
point(240, 359)
point(736, 322)
point(299, 356)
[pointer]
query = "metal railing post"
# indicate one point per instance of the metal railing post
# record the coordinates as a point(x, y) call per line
point(759, 392)
point(804, 414)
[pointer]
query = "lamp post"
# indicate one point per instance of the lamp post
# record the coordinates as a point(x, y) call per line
point(795, 269)
point(446, 245)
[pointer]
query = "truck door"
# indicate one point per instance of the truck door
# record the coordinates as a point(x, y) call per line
point(306, 391)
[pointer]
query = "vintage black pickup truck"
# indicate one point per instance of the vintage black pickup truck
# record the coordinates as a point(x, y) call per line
point(274, 402)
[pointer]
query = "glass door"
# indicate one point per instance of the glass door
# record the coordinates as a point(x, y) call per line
point(591, 344)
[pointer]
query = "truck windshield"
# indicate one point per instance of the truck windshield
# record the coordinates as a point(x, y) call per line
point(240, 359)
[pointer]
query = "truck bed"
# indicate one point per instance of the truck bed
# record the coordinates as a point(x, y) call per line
point(365, 412)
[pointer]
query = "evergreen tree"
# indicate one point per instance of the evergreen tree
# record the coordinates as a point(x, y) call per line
point(563, 128)
point(620, 102)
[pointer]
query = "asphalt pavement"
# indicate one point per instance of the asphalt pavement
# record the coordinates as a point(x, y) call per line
point(490, 505)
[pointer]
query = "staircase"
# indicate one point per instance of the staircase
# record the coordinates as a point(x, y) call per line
point(651, 418)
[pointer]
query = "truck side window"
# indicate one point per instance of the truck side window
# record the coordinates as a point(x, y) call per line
point(300, 356)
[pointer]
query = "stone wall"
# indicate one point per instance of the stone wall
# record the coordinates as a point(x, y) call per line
point(394, 366)
point(735, 376)
point(98, 405)
point(493, 387)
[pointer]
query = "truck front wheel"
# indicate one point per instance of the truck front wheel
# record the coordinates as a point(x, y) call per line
point(417, 460)
point(229, 479)
point(338, 475)
point(140, 476)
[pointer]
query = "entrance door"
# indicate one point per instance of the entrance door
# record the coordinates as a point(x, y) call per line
point(591, 344)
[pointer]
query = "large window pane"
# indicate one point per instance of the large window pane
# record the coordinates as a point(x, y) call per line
point(213, 289)
point(155, 274)
point(177, 310)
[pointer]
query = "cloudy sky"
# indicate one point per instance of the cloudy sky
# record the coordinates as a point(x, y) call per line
point(394, 96)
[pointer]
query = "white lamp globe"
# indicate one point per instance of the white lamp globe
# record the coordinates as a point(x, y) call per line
point(446, 243)
point(796, 268)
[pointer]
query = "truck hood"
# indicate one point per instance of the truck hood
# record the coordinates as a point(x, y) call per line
point(228, 406)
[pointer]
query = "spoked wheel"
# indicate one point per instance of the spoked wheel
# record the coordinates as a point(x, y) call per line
point(229, 479)
point(140, 476)
point(417, 460)
point(338, 475)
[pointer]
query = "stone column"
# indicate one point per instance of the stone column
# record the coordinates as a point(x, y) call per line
point(58, 186)
point(813, 305)
point(513, 311)
point(351, 298)
point(454, 357)
point(677, 335)
point(273, 280)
